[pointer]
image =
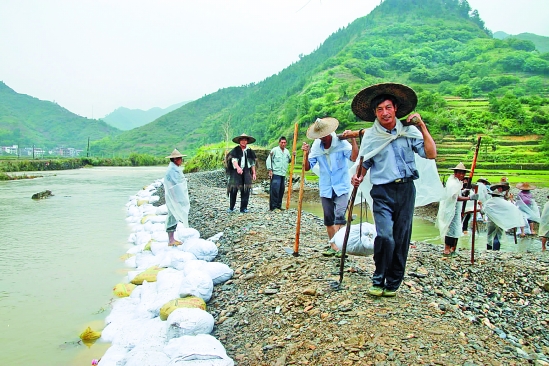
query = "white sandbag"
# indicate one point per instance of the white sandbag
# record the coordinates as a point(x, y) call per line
point(158, 247)
point(146, 259)
point(357, 244)
point(147, 209)
point(132, 219)
point(154, 199)
point(138, 357)
point(161, 236)
point(121, 309)
point(151, 227)
point(188, 321)
point(185, 233)
point(216, 237)
point(130, 262)
point(197, 283)
point(203, 249)
point(162, 210)
point(219, 272)
point(198, 347)
point(113, 355)
point(155, 336)
point(158, 219)
point(179, 258)
point(178, 361)
point(142, 237)
point(169, 279)
point(131, 238)
point(136, 249)
point(132, 211)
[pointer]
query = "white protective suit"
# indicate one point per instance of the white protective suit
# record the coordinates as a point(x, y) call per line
point(503, 214)
point(177, 196)
point(448, 209)
point(428, 186)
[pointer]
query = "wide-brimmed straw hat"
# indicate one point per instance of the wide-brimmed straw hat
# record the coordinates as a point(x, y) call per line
point(362, 103)
point(525, 186)
point(496, 193)
point(322, 127)
point(237, 139)
point(483, 180)
point(460, 166)
point(503, 185)
point(175, 154)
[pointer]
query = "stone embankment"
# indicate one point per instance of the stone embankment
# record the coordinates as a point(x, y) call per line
point(284, 310)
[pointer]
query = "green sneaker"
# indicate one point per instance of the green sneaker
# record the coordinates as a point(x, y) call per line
point(375, 291)
point(389, 293)
point(329, 253)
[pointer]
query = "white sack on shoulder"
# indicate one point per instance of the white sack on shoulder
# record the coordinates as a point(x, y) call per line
point(197, 283)
point(199, 347)
point(202, 249)
point(188, 322)
point(357, 244)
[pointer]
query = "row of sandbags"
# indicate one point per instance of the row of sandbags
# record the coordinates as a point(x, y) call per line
point(161, 317)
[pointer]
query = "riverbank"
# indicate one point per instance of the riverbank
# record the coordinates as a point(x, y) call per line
point(280, 310)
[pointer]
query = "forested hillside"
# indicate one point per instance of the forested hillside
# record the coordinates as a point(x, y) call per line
point(439, 47)
point(27, 121)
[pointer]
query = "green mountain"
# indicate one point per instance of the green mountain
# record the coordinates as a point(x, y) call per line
point(541, 42)
point(126, 119)
point(439, 47)
point(27, 121)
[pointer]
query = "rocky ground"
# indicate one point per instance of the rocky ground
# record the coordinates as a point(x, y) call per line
point(284, 310)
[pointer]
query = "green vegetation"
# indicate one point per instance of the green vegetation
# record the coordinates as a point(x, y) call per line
point(468, 84)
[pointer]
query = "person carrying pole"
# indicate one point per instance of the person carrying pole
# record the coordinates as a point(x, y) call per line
point(389, 148)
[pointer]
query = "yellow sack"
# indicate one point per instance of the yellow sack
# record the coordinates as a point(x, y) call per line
point(142, 202)
point(126, 256)
point(186, 302)
point(89, 335)
point(123, 289)
point(148, 275)
point(148, 245)
point(145, 218)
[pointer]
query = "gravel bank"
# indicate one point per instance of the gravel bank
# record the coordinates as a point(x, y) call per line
point(283, 310)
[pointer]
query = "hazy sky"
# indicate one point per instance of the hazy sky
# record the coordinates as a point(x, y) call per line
point(93, 56)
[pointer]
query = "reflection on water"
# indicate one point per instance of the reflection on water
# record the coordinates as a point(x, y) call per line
point(425, 231)
point(59, 260)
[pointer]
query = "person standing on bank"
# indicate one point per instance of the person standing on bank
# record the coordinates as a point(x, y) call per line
point(388, 149)
point(277, 165)
point(449, 210)
point(176, 195)
point(241, 167)
point(328, 158)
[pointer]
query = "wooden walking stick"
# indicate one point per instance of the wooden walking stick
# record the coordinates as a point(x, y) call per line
point(299, 204)
point(472, 173)
point(349, 219)
point(292, 168)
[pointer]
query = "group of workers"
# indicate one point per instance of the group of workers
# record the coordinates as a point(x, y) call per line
point(395, 152)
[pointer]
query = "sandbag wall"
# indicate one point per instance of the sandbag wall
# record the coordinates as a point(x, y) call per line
point(161, 316)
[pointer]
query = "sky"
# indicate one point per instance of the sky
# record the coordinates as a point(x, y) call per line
point(93, 56)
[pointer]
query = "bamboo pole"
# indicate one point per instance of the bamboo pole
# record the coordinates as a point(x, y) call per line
point(299, 205)
point(292, 167)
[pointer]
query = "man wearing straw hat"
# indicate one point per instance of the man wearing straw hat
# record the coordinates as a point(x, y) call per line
point(449, 210)
point(328, 158)
point(241, 166)
point(527, 204)
point(388, 149)
point(176, 195)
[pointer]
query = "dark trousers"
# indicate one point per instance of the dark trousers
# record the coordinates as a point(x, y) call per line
point(244, 198)
point(466, 219)
point(278, 183)
point(393, 208)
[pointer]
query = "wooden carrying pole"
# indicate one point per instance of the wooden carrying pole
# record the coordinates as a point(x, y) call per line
point(299, 204)
point(349, 219)
point(469, 184)
point(292, 168)
point(474, 229)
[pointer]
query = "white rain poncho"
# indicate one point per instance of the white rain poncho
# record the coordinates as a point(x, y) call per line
point(177, 196)
point(428, 186)
point(544, 222)
point(448, 209)
point(503, 214)
point(531, 211)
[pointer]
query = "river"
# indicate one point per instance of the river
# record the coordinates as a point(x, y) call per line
point(60, 259)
